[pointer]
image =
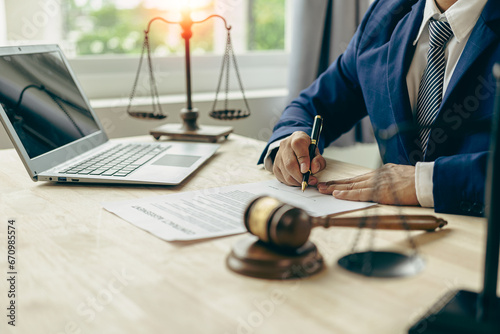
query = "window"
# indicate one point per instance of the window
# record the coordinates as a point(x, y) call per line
point(103, 38)
point(116, 26)
point(89, 27)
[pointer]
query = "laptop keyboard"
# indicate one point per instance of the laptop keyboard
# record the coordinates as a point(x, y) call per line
point(119, 161)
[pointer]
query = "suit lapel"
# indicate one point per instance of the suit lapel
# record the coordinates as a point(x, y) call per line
point(400, 54)
point(481, 37)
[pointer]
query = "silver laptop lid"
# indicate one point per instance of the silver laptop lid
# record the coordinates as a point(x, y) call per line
point(43, 108)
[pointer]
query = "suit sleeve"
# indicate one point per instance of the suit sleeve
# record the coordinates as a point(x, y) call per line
point(459, 184)
point(335, 95)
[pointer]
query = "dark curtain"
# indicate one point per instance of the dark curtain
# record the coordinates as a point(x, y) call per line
point(321, 31)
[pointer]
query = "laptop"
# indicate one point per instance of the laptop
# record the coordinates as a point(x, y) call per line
point(59, 137)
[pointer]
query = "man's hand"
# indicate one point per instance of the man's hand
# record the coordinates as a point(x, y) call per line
point(292, 160)
point(390, 184)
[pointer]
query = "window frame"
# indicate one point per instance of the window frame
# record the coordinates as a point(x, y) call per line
point(104, 77)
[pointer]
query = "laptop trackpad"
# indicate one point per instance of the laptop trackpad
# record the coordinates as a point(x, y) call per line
point(176, 160)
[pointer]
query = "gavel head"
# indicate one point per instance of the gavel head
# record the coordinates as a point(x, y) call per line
point(277, 223)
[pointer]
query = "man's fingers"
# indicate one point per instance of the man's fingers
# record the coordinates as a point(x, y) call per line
point(355, 179)
point(361, 195)
point(291, 169)
point(288, 170)
point(318, 163)
point(358, 178)
point(277, 172)
point(292, 160)
point(312, 181)
point(291, 181)
point(390, 184)
point(300, 145)
point(325, 188)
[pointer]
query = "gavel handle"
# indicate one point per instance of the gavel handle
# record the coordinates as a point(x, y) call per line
point(413, 223)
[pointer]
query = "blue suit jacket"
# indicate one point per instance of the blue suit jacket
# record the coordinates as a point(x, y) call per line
point(370, 79)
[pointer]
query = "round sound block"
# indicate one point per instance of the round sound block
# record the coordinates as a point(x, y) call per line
point(382, 264)
point(251, 257)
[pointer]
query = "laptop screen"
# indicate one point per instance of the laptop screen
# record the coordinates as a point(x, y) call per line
point(42, 102)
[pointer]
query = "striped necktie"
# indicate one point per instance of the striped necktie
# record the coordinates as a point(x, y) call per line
point(430, 92)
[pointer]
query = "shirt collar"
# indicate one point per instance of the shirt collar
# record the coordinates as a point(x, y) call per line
point(462, 17)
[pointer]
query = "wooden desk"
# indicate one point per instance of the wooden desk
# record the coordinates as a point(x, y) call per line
point(84, 270)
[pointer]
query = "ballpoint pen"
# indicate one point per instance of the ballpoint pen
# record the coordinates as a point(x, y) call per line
point(316, 130)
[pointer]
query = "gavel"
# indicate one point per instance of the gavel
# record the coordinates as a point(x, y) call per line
point(287, 227)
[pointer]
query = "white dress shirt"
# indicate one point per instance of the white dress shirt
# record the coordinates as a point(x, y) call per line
point(462, 17)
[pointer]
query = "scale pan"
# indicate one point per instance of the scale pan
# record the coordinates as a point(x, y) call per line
point(146, 115)
point(229, 114)
point(382, 264)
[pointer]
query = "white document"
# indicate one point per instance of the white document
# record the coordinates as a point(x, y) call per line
point(218, 212)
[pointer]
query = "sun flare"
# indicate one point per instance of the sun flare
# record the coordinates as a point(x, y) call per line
point(177, 5)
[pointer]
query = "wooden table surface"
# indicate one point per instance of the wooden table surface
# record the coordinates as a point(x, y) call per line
point(82, 269)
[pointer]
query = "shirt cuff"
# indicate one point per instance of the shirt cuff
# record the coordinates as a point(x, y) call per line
point(268, 160)
point(423, 183)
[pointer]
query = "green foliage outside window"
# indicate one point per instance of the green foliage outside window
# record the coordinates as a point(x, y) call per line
point(112, 30)
point(267, 31)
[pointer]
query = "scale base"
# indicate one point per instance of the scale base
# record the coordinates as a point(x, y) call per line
point(382, 264)
point(206, 133)
point(251, 257)
point(455, 313)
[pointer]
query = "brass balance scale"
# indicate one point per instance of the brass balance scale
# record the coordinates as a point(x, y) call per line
point(189, 129)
